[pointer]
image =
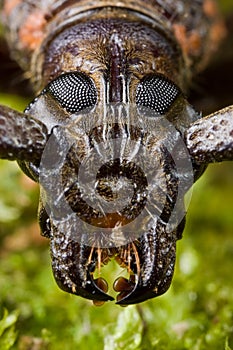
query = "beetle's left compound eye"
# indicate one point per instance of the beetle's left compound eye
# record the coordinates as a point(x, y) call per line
point(156, 92)
point(75, 91)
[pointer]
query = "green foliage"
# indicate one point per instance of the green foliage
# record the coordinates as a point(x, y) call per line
point(8, 334)
point(126, 333)
point(13, 101)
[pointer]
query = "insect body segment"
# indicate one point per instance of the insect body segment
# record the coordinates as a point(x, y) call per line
point(116, 145)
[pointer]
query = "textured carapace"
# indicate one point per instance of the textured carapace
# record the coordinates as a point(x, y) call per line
point(114, 151)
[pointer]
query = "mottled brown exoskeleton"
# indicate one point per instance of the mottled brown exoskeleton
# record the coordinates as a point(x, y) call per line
point(111, 137)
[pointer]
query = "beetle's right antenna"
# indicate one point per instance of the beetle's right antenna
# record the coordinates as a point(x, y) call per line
point(22, 137)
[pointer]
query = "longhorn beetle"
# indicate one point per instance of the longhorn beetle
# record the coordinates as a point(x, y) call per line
point(110, 136)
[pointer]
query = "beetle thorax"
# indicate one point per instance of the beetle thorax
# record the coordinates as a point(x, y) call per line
point(115, 59)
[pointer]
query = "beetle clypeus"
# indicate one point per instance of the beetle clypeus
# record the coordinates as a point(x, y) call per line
point(111, 137)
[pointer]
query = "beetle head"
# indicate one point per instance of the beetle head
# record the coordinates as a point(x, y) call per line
point(115, 170)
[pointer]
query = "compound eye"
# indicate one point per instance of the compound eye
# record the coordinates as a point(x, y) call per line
point(75, 91)
point(156, 92)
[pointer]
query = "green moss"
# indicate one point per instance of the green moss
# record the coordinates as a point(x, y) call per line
point(8, 334)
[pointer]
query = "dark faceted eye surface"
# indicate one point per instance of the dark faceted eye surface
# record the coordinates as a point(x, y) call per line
point(74, 91)
point(156, 92)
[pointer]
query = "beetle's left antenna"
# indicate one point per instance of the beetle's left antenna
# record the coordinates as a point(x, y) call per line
point(210, 139)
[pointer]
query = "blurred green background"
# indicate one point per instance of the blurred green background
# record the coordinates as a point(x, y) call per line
point(196, 313)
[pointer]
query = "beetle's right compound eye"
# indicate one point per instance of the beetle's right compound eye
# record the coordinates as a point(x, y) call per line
point(75, 91)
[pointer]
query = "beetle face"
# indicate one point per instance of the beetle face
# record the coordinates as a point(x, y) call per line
point(113, 179)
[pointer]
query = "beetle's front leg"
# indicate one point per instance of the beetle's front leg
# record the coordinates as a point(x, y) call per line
point(22, 137)
point(210, 139)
